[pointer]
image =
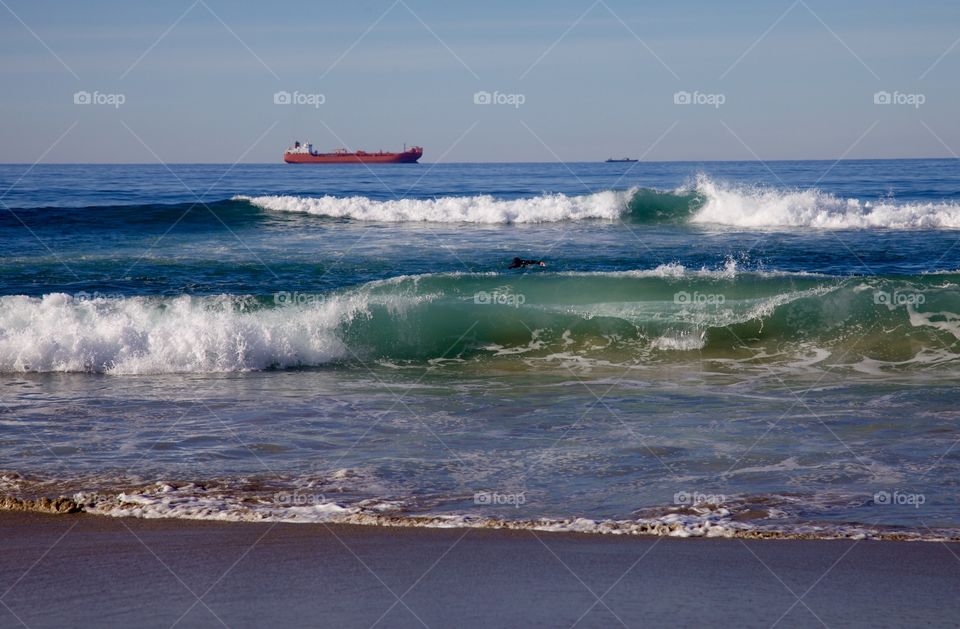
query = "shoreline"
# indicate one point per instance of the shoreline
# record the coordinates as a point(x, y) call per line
point(687, 523)
point(88, 570)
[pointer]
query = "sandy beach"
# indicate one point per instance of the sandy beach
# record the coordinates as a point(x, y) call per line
point(82, 570)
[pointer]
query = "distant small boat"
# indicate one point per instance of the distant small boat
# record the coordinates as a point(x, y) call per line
point(620, 161)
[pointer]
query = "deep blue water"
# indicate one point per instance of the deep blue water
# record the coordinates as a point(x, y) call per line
point(778, 338)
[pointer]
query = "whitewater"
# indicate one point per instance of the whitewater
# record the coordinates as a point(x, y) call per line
point(705, 201)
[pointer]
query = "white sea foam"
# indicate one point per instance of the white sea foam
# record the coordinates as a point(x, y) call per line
point(192, 503)
point(948, 322)
point(760, 207)
point(681, 341)
point(608, 205)
point(319, 500)
point(147, 335)
point(675, 270)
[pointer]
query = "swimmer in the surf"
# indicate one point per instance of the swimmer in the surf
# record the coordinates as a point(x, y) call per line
point(520, 263)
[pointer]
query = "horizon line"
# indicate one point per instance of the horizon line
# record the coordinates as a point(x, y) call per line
point(639, 161)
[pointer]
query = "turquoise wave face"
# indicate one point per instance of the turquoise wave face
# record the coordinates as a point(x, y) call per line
point(658, 206)
point(664, 315)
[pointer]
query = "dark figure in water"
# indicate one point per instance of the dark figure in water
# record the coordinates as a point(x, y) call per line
point(520, 263)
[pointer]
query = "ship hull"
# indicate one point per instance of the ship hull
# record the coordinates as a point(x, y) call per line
point(407, 157)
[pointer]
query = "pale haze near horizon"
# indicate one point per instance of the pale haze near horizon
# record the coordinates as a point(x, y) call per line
point(577, 81)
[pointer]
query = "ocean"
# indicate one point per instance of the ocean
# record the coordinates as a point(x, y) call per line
point(726, 349)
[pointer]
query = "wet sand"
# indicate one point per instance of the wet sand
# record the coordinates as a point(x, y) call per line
point(90, 571)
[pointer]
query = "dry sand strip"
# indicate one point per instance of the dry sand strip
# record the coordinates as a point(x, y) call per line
point(90, 571)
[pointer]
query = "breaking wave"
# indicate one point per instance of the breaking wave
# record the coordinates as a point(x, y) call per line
point(606, 205)
point(759, 207)
point(664, 314)
point(704, 201)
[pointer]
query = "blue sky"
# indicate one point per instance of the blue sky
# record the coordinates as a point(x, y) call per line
point(197, 80)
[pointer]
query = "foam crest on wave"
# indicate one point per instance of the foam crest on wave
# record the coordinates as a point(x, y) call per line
point(548, 208)
point(148, 335)
point(764, 207)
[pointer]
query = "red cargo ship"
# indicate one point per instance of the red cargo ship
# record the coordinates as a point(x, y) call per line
point(304, 154)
